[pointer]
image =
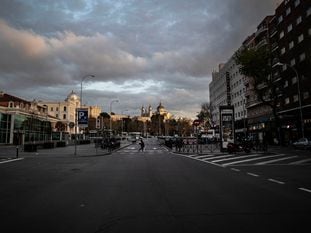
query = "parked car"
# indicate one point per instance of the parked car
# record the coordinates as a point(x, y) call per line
point(303, 143)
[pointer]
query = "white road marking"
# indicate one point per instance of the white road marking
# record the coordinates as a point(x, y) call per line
point(253, 159)
point(239, 157)
point(219, 157)
point(252, 174)
point(306, 190)
point(202, 156)
point(218, 165)
point(276, 181)
point(300, 162)
point(11, 160)
point(236, 170)
point(276, 160)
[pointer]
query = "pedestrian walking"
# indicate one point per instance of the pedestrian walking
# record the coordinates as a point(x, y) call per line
point(142, 145)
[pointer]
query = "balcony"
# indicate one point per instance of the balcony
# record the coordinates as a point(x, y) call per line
point(252, 103)
point(261, 31)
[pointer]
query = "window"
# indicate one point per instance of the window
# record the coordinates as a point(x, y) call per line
point(288, 10)
point(309, 31)
point(56, 109)
point(56, 115)
point(292, 62)
point(65, 108)
point(281, 34)
point(306, 95)
point(280, 19)
point(11, 104)
point(309, 11)
point(300, 38)
point(52, 109)
point(286, 83)
point(291, 45)
point(298, 20)
point(295, 98)
point(283, 50)
point(289, 27)
point(284, 67)
point(297, 2)
point(287, 100)
point(294, 80)
point(64, 116)
point(302, 57)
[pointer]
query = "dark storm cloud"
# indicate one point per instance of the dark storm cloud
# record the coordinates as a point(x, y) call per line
point(49, 45)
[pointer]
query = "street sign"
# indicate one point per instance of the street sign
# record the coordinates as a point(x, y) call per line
point(82, 117)
point(71, 125)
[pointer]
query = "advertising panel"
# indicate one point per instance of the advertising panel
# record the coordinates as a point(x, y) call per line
point(226, 126)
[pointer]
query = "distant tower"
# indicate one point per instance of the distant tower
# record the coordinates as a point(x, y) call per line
point(142, 110)
point(149, 111)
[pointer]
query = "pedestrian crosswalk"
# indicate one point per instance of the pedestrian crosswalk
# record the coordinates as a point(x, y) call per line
point(134, 150)
point(254, 159)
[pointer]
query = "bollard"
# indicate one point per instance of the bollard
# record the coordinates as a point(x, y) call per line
point(17, 151)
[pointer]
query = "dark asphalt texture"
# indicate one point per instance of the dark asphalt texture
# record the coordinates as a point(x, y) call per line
point(144, 192)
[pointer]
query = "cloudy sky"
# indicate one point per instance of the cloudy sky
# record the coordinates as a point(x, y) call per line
point(140, 51)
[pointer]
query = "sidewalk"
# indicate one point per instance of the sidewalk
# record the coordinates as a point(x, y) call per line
point(68, 151)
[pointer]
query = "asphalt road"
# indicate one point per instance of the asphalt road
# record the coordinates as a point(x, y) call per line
point(150, 191)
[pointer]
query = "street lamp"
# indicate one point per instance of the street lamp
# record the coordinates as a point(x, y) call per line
point(112, 101)
point(122, 121)
point(299, 96)
point(244, 123)
point(86, 76)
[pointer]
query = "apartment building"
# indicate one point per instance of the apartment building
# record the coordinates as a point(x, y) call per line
point(290, 38)
point(227, 88)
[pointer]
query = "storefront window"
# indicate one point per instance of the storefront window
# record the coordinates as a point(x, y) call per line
point(5, 122)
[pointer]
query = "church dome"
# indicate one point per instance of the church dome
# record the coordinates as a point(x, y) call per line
point(73, 97)
point(160, 107)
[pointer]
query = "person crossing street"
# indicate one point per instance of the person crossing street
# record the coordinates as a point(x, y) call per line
point(142, 145)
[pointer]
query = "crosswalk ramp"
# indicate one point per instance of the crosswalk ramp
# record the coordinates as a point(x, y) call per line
point(252, 159)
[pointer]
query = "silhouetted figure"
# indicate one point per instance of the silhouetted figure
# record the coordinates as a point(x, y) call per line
point(142, 145)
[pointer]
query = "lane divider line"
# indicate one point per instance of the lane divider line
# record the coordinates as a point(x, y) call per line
point(252, 174)
point(276, 181)
point(236, 170)
point(11, 160)
point(306, 190)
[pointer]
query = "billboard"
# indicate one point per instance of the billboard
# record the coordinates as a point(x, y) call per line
point(83, 118)
point(226, 126)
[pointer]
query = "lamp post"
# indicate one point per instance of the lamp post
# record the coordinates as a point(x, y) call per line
point(85, 77)
point(111, 102)
point(299, 96)
point(122, 122)
point(76, 125)
point(244, 123)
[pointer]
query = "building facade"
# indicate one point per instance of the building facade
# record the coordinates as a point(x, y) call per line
point(228, 89)
point(291, 46)
point(23, 121)
point(64, 111)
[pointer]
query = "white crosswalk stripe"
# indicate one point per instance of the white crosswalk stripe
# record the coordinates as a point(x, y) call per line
point(276, 160)
point(250, 159)
point(253, 159)
point(300, 162)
